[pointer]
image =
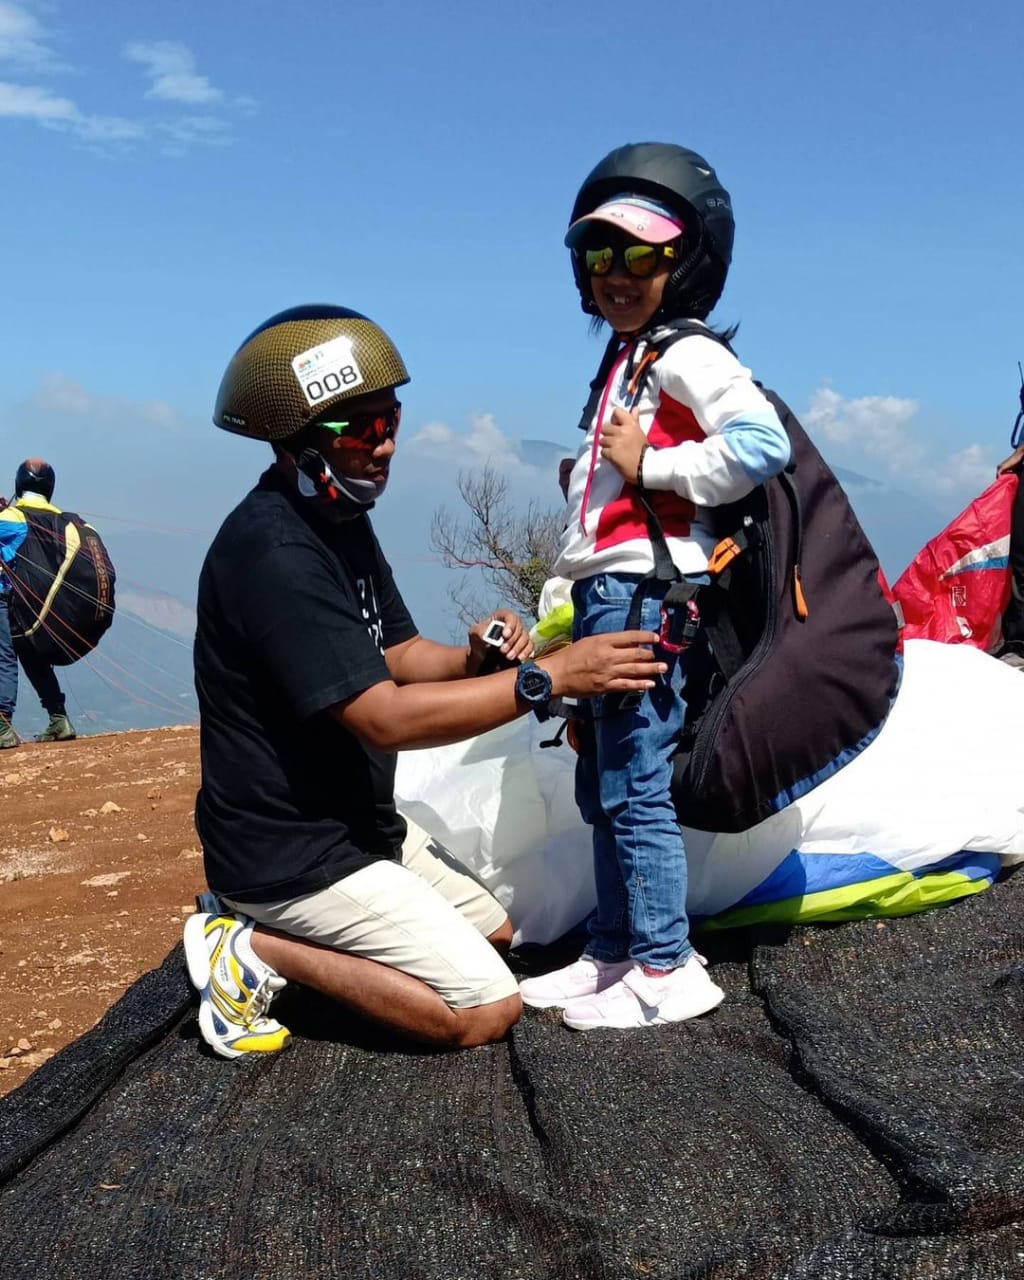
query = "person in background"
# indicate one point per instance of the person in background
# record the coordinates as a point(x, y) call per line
point(12, 535)
point(311, 675)
point(33, 490)
point(1011, 648)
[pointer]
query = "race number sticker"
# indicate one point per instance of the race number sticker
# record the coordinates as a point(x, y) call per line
point(325, 370)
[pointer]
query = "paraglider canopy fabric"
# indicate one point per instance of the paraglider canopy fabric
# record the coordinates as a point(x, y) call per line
point(853, 1110)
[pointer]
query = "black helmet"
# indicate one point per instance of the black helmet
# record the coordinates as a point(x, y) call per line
point(37, 476)
point(299, 363)
point(688, 185)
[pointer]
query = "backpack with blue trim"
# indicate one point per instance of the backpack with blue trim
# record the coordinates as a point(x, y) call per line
point(798, 660)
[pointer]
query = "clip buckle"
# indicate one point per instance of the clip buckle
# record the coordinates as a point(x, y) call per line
point(689, 629)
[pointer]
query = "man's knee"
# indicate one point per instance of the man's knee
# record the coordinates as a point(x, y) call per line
point(486, 1022)
point(501, 938)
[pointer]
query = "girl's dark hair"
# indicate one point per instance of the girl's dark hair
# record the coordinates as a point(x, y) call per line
point(727, 334)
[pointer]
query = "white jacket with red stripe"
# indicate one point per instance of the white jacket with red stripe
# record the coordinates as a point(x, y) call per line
point(713, 437)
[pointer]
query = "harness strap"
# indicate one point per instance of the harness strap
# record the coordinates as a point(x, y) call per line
point(611, 354)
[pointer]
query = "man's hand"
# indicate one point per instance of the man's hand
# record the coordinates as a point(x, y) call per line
point(515, 647)
point(622, 442)
point(565, 467)
point(1012, 462)
point(615, 663)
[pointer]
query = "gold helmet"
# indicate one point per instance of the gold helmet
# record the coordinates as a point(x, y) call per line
point(299, 363)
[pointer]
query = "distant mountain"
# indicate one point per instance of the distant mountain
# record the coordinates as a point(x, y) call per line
point(897, 523)
point(154, 562)
point(545, 455)
point(140, 676)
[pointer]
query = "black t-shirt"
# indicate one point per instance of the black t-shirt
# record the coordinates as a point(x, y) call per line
point(294, 615)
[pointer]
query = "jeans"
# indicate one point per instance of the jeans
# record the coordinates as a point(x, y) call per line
point(623, 793)
point(8, 663)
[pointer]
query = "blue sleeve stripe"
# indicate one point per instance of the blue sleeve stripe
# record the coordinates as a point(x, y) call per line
point(13, 531)
point(760, 444)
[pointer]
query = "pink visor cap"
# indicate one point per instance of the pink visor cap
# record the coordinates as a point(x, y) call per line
point(647, 220)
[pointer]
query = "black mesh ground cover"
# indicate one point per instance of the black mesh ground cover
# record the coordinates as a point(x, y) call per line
point(852, 1112)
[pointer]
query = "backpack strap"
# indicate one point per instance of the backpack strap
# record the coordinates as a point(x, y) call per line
point(714, 614)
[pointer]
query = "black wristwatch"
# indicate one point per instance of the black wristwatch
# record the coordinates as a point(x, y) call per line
point(533, 686)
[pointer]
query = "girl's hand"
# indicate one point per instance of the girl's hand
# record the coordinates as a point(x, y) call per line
point(515, 646)
point(622, 442)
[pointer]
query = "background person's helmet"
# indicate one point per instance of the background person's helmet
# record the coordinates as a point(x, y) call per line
point(37, 476)
point(684, 182)
point(299, 363)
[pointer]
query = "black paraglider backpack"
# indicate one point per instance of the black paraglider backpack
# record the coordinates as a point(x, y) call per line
point(800, 664)
point(62, 598)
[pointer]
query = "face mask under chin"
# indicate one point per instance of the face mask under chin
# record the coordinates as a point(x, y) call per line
point(353, 496)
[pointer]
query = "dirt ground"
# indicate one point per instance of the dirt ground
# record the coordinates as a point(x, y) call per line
point(99, 867)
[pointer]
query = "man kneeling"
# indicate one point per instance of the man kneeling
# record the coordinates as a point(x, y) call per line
point(310, 675)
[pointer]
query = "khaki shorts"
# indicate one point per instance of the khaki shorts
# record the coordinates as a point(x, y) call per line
point(427, 916)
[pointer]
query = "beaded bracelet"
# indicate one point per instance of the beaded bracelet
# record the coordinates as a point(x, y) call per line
point(640, 467)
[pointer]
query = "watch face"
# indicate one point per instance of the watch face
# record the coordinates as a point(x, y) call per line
point(535, 685)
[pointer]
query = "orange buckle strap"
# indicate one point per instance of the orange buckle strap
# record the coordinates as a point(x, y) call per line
point(645, 363)
point(723, 555)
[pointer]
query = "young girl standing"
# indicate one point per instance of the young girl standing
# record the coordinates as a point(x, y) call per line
point(651, 240)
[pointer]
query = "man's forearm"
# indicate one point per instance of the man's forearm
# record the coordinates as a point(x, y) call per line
point(425, 661)
point(431, 714)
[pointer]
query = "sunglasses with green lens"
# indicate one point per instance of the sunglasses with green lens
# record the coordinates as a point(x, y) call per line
point(370, 429)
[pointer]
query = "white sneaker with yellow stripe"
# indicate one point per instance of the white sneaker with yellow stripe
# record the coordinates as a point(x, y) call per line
point(235, 986)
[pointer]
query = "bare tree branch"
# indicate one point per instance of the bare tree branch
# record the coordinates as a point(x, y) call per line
point(512, 552)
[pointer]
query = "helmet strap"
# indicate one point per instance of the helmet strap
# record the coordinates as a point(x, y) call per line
point(348, 497)
point(676, 284)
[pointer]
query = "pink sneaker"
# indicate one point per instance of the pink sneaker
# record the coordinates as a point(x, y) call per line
point(584, 977)
point(641, 1001)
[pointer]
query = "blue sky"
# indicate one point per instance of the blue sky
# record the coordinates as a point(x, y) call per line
point(176, 173)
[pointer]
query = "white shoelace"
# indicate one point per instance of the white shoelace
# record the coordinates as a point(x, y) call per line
point(259, 1002)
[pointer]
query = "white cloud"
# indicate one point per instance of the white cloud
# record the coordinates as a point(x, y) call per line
point(23, 44)
point(63, 395)
point(33, 102)
point(209, 131)
point(873, 430)
point(876, 425)
point(485, 443)
point(169, 65)
point(107, 129)
point(23, 40)
point(172, 69)
point(968, 471)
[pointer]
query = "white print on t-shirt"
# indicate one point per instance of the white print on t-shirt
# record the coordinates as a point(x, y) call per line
point(326, 370)
point(371, 612)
